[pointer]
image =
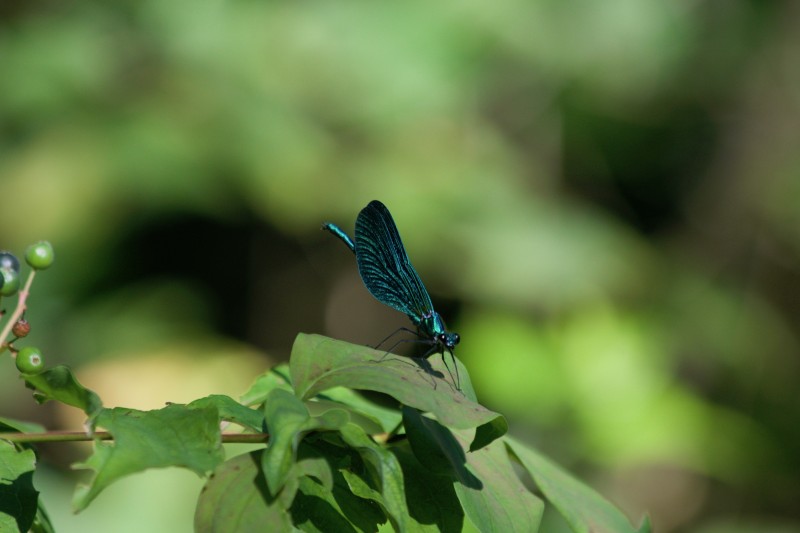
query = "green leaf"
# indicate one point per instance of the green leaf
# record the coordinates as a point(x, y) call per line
point(286, 418)
point(584, 509)
point(435, 446)
point(387, 468)
point(370, 425)
point(319, 363)
point(432, 501)
point(176, 435)
point(13, 426)
point(58, 383)
point(275, 378)
point(232, 411)
point(319, 510)
point(495, 499)
point(310, 463)
point(18, 498)
point(318, 468)
point(41, 523)
point(288, 421)
point(318, 504)
point(488, 432)
point(236, 498)
point(359, 486)
point(387, 418)
point(330, 419)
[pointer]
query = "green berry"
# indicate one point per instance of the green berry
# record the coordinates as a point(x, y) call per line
point(40, 255)
point(10, 282)
point(9, 261)
point(30, 360)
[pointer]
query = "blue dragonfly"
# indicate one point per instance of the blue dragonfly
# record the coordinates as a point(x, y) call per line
point(389, 276)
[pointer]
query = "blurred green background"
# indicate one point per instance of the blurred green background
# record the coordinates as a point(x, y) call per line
point(602, 198)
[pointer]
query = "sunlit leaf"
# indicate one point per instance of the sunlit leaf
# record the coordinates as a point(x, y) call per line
point(176, 435)
point(11, 425)
point(236, 498)
point(232, 411)
point(42, 523)
point(494, 498)
point(286, 418)
point(275, 378)
point(319, 363)
point(583, 508)
point(58, 383)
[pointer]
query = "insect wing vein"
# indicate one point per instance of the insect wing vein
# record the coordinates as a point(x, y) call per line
point(384, 265)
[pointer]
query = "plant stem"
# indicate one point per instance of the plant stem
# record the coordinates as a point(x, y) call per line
point(78, 436)
point(21, 306)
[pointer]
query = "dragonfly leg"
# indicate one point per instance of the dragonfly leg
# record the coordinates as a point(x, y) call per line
point(420, 362)
point(395, 332)
point(457, 380)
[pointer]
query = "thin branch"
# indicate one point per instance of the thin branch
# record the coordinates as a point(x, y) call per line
point(80, 436)
point(21, 306)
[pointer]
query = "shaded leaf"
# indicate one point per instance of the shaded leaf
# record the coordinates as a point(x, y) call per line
point(318, 510)
point(581, 506)
point(387, 468)
point(18, 498)
point(387, 418)
point(489, 432)
point(436, 448)
point(310, 463)
point(316, 505)
point(176, 435)
point(318, 468)
point(432, 501)
point(370, 425)
point(58, 383)
point(500, 502)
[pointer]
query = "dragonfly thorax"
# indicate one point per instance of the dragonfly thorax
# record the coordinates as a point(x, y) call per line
point(432, 326)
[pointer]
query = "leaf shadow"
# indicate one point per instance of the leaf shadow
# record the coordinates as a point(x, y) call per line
point(437, 448)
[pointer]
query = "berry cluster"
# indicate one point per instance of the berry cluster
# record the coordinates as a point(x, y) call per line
point(38, 256)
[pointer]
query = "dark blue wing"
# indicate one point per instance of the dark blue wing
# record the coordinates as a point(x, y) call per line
point(384, 265)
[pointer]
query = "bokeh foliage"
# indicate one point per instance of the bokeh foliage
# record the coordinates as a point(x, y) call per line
point(603, 198)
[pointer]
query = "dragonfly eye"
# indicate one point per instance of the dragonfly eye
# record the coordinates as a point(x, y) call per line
point(449, 339)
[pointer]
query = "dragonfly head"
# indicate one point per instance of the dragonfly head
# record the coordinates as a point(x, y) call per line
point(448, 339)
point(432, 326)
